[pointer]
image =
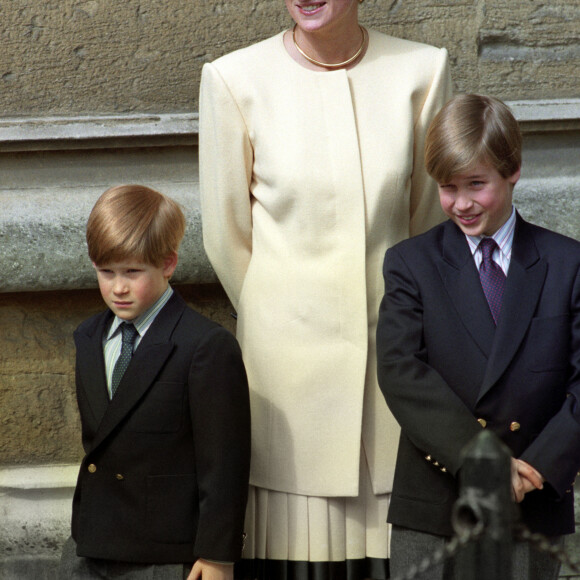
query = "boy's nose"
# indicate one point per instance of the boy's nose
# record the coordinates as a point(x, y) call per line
point(463, 202)
point(119, 286)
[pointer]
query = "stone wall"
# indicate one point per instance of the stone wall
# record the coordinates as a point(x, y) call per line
point(95, 56)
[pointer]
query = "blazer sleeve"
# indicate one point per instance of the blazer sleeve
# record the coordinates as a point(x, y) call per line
point(226, 160)
point(555, 452)
point(220, 414)
point(425, 208)
point(429, 412)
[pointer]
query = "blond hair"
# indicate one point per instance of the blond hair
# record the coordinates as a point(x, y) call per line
point(134, 222)
point(473, 129)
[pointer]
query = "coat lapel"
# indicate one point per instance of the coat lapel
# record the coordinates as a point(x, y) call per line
point(523, 289)
point(147, 361)
point(464, 288)
point(90, 368)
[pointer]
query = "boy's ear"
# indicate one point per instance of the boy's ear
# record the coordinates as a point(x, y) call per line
point(169, 265)
point(513, 179)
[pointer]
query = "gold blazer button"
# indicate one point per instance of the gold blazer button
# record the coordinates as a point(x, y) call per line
point(515, 426)
point(120, 476)
point(482, 422)
point(92, 468)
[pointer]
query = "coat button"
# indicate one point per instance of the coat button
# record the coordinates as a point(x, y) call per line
point(92, 468)
point(482, 422)
point(514, 426)
point(120, 476)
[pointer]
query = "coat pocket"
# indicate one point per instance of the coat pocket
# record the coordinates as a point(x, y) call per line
point(172, 512)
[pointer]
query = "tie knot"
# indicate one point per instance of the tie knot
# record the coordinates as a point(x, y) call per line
point(487, 246)
point(129, 332)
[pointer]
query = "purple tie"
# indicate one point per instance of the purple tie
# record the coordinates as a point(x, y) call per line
point(492, 277)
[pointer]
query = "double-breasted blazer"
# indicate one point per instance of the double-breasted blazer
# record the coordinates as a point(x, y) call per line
point(306, 178)
point(446, 370)
point(165, 475)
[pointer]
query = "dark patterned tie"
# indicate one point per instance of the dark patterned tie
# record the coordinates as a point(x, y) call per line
point(491, 276)
point(129, 332)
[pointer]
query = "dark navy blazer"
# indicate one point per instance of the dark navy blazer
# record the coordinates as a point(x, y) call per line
point(165, 475)
point(443, 365)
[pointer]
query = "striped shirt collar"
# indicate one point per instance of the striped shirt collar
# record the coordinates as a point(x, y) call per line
point(145, 320)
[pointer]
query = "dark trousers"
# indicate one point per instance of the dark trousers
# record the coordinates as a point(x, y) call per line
point(73, 567)
point(409, 547)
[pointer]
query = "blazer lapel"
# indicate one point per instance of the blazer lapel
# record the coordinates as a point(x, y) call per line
point(90, 368)
point(148, 359)
point(523, 289)
point(462, 283)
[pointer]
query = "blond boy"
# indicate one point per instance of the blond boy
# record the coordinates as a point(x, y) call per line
point(479, 328)
point(163, 402)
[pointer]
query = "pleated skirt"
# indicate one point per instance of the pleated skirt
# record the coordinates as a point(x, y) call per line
point(298, 537)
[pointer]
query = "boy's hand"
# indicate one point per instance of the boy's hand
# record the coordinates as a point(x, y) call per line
point(524, 479)
point(204, 570)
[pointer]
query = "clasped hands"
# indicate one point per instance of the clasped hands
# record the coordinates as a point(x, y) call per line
point(524, 479)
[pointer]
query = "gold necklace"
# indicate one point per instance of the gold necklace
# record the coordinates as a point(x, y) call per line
point(330, 65)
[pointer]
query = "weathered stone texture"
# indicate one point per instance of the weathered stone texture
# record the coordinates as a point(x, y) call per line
point(513, 49)
point(95, 56)
point(547, 193)
point(46, 198)
point(37, 418)
point(531, 49)
point(38, 415)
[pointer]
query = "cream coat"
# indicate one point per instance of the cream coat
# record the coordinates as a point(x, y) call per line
point(306, 179)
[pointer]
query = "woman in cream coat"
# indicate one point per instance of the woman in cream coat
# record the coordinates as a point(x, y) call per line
point(310, 169)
